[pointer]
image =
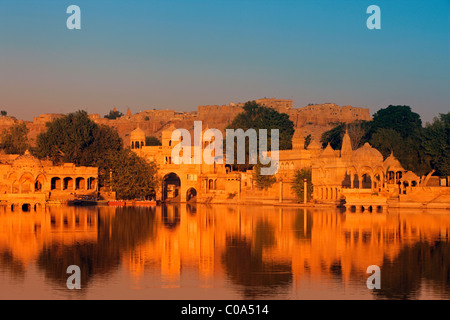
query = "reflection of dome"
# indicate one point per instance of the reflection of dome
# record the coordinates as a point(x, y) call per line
point(367, 154)
point(27, 160)
point(392, 164)
point(137, 134)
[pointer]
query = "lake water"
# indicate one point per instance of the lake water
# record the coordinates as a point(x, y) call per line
point(223, 252)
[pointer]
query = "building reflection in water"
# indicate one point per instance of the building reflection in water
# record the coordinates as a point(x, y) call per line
point(256, 251)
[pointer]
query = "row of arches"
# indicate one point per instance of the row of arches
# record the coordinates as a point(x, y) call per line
point(69, 183)
point(29, 184)
point(286, 166)
point(137, 144)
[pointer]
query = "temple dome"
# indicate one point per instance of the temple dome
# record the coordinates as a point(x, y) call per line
point(27, 160)
point(392, 163)
point(367, 154)
point(137, 134)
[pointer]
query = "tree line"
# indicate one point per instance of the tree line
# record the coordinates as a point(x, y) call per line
point(397, 129)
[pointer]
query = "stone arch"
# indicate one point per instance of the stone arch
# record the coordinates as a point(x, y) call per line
point(191, 194)
point(379, 177)
point(352, 173)
point(171, 187)
point(91, 183)
point(56, 183)
point(366, 181)
point(80, 183)
point(15, 187)
point(68, 183)
point(39, 183)
point(26, 183)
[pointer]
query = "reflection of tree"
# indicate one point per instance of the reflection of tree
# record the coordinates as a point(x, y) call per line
point(401, 278)
point(117, 233)
point(8, 262)
point(246, 267)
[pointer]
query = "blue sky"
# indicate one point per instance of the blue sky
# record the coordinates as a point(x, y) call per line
point(181, 54)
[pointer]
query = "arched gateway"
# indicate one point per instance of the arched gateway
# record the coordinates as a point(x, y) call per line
point(171, 187)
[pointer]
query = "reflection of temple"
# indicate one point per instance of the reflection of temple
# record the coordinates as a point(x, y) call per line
point(258, 250)
point(26, 234)
point(264, 240)
point(27, 180)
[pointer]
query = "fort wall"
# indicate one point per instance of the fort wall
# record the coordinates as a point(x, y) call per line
point(314, 119)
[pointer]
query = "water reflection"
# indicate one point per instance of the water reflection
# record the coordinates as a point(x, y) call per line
point(229, 251)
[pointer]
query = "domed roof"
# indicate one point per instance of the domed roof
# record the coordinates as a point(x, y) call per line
point(392, 163)
point(138, 134)
point(410, 176)
point(367, 154)
point(27, 160)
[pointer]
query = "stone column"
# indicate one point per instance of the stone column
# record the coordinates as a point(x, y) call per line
point(281, 191)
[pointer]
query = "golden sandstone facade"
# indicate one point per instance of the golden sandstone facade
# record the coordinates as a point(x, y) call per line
point(359, 179)
point(27, 182)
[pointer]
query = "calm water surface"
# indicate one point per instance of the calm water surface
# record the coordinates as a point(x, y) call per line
point(223, 252)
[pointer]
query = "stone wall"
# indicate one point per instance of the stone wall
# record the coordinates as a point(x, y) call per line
point(314, 119)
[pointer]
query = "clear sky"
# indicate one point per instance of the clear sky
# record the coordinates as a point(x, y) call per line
point(179, 54)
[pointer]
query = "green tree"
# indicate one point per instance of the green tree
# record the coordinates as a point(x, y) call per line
point(258, 117)
point(3, 113)
point(132, 176)
point(298, 185)
point(357, 131)
point(436, 143)
point(152, 141)
point(333, 136)
point(114, 114)
point(386, 141)
point(399, 130)
point(398, 118)
point(15, 139)
point(77, 139)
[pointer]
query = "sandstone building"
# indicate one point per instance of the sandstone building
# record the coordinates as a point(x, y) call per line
point(27, 181)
